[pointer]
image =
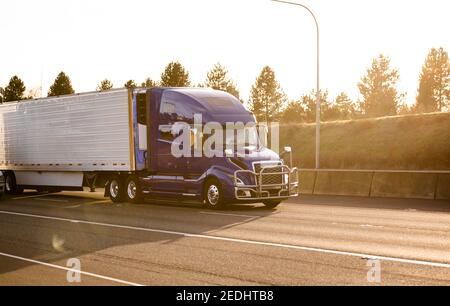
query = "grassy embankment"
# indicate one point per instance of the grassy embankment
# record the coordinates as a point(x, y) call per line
point(413, 142)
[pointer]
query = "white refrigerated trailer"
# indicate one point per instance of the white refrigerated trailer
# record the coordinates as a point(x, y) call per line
point(55, 143)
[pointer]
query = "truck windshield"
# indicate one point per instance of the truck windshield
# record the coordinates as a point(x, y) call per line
point(246, 138)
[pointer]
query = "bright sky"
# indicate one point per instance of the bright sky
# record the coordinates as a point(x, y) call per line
point(134, 39)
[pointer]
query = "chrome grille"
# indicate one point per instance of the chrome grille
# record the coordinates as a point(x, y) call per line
point(267, 178)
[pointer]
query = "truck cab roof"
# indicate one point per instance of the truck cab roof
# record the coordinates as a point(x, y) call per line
point(214, 105)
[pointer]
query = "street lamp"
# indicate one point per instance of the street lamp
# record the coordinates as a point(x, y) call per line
point(318, 84)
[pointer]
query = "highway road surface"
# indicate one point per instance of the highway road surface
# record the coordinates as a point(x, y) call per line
point(311, 240)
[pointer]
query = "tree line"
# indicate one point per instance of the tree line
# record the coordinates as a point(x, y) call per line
point(378, 89)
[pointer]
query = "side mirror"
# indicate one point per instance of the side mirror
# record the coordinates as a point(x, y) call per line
point(288, 150)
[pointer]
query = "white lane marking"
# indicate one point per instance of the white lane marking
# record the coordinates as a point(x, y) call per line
point(224, 214)
point(73, 206)
point(280, 245)
point(71, 270)
point(370, 225)
point(51, 200)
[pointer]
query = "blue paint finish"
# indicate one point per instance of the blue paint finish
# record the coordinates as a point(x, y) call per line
point(191, 173)
point(225, 177)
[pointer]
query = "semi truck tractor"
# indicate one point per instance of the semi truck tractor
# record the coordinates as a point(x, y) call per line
point(124, 140)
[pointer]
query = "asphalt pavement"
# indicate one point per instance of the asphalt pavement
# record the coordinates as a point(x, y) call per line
point(310, 240)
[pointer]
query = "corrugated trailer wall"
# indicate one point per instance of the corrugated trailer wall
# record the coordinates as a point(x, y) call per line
point(86, 132)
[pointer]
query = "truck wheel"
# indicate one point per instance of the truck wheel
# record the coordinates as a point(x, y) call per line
point(116, 189)
point(133, 191)
point(271, 204)
point(10, 184)
point(212, 194)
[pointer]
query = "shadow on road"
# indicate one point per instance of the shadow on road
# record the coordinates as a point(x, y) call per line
point(51, 240)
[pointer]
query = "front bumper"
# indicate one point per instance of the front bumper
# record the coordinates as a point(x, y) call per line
point(287, 188)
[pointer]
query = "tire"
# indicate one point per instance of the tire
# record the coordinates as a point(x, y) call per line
point(271, 204)
point(133, 191)
point(10, 184)
point(116, 189)
point(213, 195)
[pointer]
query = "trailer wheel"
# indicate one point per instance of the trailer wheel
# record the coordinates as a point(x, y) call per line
point(116, 189)
point(10, 184)
point(133, 190)
point(212, 194)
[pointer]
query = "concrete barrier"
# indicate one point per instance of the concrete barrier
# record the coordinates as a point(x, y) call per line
point(376, 183)
point(307, 181)
point(343, 183)
point(404, 185)
point(443, 187)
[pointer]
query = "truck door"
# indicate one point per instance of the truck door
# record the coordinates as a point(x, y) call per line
point(170, 169)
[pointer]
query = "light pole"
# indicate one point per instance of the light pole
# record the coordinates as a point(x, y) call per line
point(318, 80)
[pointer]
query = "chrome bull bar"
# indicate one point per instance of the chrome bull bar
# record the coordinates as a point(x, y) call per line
point(289, 186)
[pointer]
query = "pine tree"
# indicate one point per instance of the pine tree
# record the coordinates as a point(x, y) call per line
point(149, 83)
point(378, 88)
point(61, 86)
point(131, 84)
point(345, 107)
point(309, 104)
point(105, 85)
point(175, 75)
point(14, 91)
point(218, 79)
point(294, 112)
point(267, 97)
point(434, 87)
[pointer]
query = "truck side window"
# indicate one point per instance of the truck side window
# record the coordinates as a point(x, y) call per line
point(167, 118)
point(176, 108)
point(168, 113)
point(168, 108)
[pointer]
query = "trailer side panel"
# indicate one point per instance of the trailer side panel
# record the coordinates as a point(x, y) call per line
point(86, 132)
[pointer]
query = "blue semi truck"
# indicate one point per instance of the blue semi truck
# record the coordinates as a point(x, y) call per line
point(124, 140)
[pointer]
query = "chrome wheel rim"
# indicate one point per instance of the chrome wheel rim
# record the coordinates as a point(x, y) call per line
point(114, 188)
point(131, 189)
point(213, 195)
